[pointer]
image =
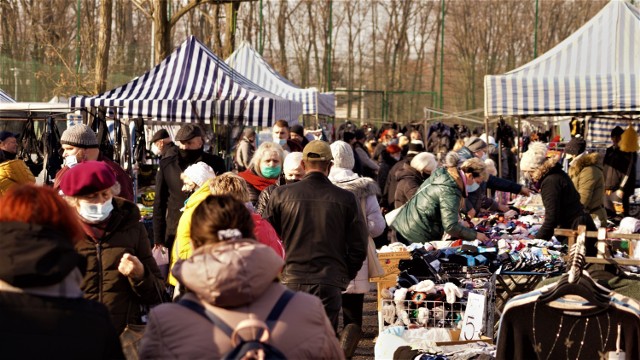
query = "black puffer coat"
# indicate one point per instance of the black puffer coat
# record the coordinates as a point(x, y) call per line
point(104, 283)
point(408, 182)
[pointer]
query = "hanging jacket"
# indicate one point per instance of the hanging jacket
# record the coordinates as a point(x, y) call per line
point(587, 176)
point(433, 210)
point(236, 280)
point(103, 282)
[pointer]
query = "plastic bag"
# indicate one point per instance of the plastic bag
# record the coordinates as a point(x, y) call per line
point(161, 255)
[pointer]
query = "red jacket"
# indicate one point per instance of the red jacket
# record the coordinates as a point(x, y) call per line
point(266, 234)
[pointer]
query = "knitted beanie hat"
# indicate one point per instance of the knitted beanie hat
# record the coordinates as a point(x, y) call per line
point(629, 140)
point(199, 173)
point(79, 135)
point(424, 162)
point(576, 146)
point(292, 161)
point(534, 157)
point(415, 147)
point(488, 139)
point(342, 155)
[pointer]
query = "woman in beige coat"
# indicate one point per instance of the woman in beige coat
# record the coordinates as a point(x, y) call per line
point(585, 171)
point(234, 277)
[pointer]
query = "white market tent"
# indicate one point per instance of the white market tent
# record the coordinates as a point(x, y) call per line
point(249, 63)
point(4, 98)
point(593, 71)
point(193, 85)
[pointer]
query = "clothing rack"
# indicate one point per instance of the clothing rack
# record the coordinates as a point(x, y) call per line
point(602, 236)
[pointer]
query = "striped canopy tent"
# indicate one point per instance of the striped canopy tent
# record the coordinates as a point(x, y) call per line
point(593, 71)
point(249, 63)
point(4, 98)
point(193, 85)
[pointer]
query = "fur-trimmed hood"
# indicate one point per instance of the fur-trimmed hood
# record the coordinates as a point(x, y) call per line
point(361, 187)
point(593, 159)
point(543, 169)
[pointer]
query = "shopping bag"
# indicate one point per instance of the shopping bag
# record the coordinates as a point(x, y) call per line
point(390, 217)
point(374, 267)
point(161, 255)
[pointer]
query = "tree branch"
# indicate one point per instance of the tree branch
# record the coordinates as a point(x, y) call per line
point(138, 4)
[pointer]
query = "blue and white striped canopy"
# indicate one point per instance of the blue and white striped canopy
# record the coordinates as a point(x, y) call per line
point(599, 130)
point(249, 63)
point(4, 98)
point(595, 70)
point(191, 84)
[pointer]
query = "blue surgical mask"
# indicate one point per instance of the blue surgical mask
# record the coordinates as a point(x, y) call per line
point(282, 142)
point(71, 161)
point(270, 172)
point(473, 187)
point(95, 213)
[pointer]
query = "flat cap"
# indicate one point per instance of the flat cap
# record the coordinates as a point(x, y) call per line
point(188, 132)
point(159, 135)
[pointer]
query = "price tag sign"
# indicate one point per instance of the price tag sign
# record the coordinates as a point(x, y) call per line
point(473, 315)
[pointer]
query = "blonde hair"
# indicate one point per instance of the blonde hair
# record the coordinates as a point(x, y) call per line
point(263, 150)
point(476, 167)
point(458, 145)
point(230, 184)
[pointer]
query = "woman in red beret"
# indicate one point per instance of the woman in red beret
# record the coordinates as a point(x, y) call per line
point(121, 272)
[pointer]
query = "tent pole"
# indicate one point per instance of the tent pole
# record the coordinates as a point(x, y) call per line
point(519, 149)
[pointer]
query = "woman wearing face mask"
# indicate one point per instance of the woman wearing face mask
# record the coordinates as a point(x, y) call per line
point(292, 171)
point(196, 179)
point(265, 169)
point(412, 175)
point(434, 208)
point(121, 272)
point(562, 207)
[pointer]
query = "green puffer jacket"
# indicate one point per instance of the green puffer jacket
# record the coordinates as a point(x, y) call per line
point(104, 283)
point(434, 210)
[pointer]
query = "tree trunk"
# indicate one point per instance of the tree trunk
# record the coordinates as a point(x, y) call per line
point(231, 11)
point(104, 42)
point(162, 30)
point(282, 41)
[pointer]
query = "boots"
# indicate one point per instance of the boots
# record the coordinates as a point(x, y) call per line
point(349, 339)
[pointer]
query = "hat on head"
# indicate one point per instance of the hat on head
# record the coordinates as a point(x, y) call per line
point(79, 135)
point(188, 132)
point(4, 135)
point(475, 144)
point(342, 155)
point(292, 161)
point(317, 150)
point(534, 157)
point(298, 129)
point(576, 146)
point(360, 134)
point(393, 148)
point(159, 135)
point(617, 131)
point(199, 173)
point(86, 178)
point(488, 139)
point(415, 147)
point(425, 162)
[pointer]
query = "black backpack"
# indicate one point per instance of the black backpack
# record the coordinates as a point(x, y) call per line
point(246, 349)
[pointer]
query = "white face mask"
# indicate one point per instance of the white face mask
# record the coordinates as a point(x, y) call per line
point(473, 187)
point(484, 156)
point(189, 187)
point(95, 213)
point(155, 150)
point(396, 157)
point(70, 161)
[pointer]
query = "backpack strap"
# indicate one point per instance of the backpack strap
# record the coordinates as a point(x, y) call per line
point(273, 316)
point(200, 310)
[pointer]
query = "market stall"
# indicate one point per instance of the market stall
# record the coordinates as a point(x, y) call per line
point(5, 98)
point(249, 63)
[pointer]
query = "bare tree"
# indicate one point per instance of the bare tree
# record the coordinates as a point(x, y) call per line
point(104, 42)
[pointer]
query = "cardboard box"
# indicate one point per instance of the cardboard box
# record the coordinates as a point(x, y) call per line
point(389, 261)
point(455, 334)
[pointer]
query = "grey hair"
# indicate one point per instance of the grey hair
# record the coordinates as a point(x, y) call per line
point(265, 148)
point(452, 159)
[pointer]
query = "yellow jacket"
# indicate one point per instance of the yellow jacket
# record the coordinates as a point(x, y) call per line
point(182, 248)
point(14, 172)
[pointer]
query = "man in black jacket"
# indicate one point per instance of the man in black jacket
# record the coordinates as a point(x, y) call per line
point(169, 195)
point(162, 145)
point(322, 229)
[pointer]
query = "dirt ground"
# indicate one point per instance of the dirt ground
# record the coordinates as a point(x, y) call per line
point(369, 328)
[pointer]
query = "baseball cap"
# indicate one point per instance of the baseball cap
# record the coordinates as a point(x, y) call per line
point(317, 150)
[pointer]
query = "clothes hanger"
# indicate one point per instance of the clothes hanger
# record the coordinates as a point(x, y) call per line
point(578, 282)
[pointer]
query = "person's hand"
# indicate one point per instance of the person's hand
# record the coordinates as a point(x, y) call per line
point(131, 267)
point(471, 213)
point(620, 194)
point(482, 237)
point(503, 208)
point(525, 191)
